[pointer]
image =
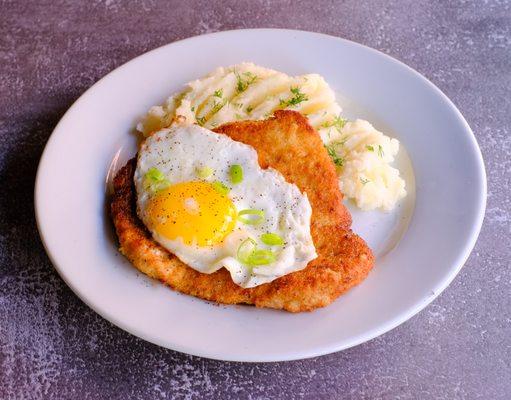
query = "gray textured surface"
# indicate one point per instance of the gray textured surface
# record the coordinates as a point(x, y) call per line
point(53, 346)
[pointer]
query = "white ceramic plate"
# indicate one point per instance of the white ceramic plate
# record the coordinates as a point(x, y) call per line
point(420, 247)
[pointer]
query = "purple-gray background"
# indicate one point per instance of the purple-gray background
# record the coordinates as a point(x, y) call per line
point(53, 346)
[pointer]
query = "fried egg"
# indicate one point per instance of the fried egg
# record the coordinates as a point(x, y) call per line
point(204, 197)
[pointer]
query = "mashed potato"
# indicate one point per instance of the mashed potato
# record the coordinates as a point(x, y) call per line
point(365, 174)
point(246, 91)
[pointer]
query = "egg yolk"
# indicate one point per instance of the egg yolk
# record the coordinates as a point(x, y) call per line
point(193, 211)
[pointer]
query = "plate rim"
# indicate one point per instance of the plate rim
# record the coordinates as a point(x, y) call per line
point(462, 257)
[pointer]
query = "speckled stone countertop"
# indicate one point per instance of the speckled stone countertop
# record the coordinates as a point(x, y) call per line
point(53, 346)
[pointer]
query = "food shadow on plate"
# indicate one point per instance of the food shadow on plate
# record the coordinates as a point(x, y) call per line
point(121, 154)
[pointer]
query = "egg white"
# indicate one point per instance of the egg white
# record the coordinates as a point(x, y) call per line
point(179, 151)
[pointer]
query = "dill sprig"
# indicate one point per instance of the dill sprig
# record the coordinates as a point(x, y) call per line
point(201, 120)
point(217, 106)
point(338, 122)
point(244, 80)
point(297, 98)
point(339, 161)
point(381, 153)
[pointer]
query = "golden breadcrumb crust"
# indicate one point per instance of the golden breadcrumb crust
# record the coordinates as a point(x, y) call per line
point(290, 145)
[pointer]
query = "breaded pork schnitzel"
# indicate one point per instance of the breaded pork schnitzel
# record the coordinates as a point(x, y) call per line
point(290, 145)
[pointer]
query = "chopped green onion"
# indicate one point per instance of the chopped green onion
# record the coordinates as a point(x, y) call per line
point(155, 174)
point(155, 180)
point(249, 254)
point(261, 257)
point(380, 151)
point(204, 172)
point(236, 173)
point(221, 188)
point(251, 216)
point(370, 148)
point(272, 239)
point(245, 250)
